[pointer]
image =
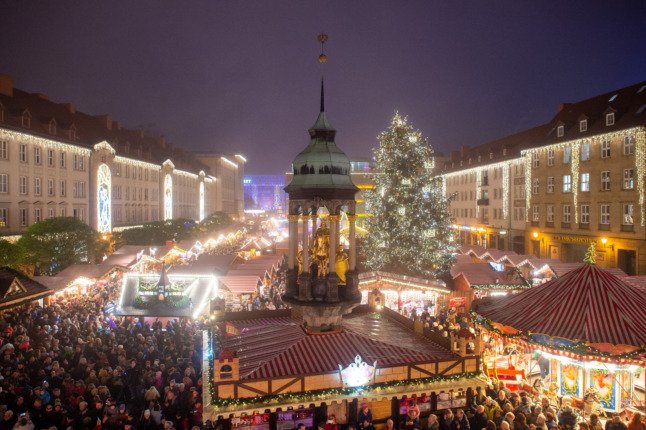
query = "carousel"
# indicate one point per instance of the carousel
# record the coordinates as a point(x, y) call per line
point(582, 336)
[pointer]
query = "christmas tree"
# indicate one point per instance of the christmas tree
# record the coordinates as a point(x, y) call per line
point(410, 230)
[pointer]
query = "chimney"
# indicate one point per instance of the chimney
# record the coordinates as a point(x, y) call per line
point(70, 107)
point(116, 125)
point(162, 141)
point(6, 85)
point(463, 150)
point(42, 96)
point(562, 106)
point(105, 120)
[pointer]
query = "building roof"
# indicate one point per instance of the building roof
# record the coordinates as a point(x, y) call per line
point(587, 304)
point(17, 288)
point(322, 169)
point(278, 347)
point(628, 104)
point(85, 130)
point(482, 274)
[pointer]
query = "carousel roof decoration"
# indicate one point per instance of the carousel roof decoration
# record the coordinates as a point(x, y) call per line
point(588, 311)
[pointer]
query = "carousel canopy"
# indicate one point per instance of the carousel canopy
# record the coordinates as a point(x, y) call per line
point(586, 304)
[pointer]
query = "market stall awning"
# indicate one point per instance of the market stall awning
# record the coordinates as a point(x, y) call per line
point(587, 304)
point(17, 288)
point(240, 284)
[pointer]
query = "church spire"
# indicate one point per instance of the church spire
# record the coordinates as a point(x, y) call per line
point(322, 96)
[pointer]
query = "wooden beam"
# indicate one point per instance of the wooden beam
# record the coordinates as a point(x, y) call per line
point(461, 360)
point(424, 371)
point(282, 387)
point(252, 389)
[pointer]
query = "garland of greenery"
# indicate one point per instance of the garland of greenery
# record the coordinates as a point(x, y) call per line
point(579, 348)
point(307, 396)
point(171, 301)
point(500, 287)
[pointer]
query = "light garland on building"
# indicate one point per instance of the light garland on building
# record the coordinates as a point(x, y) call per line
point(639, 133)
point(104, 199)
point(574, 164)
point(478, 190)
point(49, 143)
point(505, 189)
point(640, 165)
point(168, 197)
point(138, 163)
point(231, 163)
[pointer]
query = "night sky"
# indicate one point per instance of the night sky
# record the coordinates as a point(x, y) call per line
point(243, 76)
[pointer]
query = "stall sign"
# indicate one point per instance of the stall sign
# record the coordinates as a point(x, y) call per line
point(456, 302)
point(304, 416)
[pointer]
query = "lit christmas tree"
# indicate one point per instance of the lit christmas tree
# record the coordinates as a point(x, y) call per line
point(410, 230)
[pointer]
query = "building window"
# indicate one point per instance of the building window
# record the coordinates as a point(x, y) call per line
point(629, 179)
point(567, 183)
point(61, 184)
point(535, 213)
point(62, 165)
point(535, 186)
point(79, 162)
point(550, 157)
point(567, 213)
point(50, 157)
point(50, 213)
point(605, 180)
point(605, 149)
point(583, 125)
point(627, 218)
point(4, 183)
point(585, 214)
point(63, 212)
point(629, 145)
point(535, 160)
point(605, 214)
point(550, 213)
point(22, 185)
point(22, 153)
point(37, 215)
point(585, 151)
point(37, 189)
point(50, 187)
point(23, 217)
point(550, 184)
point(4, 150)
point(4, 217)
point(37, 159)
point(560, 131)
point(585, 182)
point(610, 118)
point(567, 155)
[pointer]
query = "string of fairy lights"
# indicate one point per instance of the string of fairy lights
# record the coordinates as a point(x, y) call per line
point(636, 133)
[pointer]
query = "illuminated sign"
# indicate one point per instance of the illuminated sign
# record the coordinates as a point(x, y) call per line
point(574, 239)
point(358, 373)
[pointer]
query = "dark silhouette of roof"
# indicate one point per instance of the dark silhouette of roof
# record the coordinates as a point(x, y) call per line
point(17, 288)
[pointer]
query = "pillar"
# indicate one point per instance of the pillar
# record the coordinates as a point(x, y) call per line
point(293, 240)
point(305, 243)
point(334, 231)
point(353, 242)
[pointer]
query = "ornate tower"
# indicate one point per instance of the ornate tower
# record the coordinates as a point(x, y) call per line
point(322, 281)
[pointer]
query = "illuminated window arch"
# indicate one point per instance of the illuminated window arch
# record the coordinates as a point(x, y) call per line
point(168, 197)
point(104, 203)
point(201, 200)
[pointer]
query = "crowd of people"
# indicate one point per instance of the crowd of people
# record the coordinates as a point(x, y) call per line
point(496, 408)
point(69, 366)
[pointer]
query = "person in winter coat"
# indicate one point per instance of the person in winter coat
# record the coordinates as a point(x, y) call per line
point(567, 418)
point(479, 420)
point(460, 421)
point(447, 419)
point(636, 422)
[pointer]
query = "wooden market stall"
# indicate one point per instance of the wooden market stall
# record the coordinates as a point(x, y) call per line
point(588, 327)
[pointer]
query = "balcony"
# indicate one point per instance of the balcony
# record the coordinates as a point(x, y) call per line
point(584, 226)
point(605, 227)
point(483, 202)
point(627, 228)
point(534, 223)
point(549, 224)
point(565, 225)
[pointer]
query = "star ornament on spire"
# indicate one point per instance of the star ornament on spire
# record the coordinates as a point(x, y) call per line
point(322, 39)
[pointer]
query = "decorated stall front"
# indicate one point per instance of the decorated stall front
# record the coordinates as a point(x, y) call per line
point(403, 293)
point(585, 331)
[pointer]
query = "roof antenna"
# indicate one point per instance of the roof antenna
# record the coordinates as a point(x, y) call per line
point(322, 59)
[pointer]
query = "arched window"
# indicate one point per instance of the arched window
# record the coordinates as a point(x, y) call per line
point(304, 170)
point(226, 372)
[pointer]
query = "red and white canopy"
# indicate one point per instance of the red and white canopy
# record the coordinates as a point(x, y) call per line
point(587, 304)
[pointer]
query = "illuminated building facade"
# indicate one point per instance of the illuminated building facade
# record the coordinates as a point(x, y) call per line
point(265, 192)
point(56, 161)
point(556, 188)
